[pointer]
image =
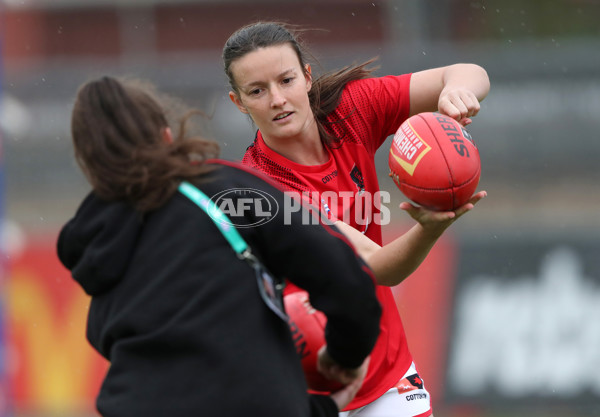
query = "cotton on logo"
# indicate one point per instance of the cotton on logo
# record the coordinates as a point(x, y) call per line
point(245, 207)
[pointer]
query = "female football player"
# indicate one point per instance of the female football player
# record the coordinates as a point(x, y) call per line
point(318, 137)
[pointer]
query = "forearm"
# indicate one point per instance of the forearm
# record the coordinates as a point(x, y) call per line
point(394, 262)
point(468, 76)
point(364, 246)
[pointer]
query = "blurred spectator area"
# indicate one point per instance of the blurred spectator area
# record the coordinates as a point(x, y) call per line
point(537, 131)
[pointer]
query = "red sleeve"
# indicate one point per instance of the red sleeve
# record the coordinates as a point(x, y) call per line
point(382, 103)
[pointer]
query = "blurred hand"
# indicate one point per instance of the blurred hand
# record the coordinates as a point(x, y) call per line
point(351, 378)
point(460, 104)
point(330, 369)
point(438, 221)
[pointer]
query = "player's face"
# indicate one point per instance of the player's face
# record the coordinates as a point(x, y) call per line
point(273, 89)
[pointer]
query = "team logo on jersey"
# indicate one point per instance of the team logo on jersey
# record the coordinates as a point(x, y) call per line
point(358, 179)
point(416, 380)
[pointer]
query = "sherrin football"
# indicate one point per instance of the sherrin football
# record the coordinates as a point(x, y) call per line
point(433, 160)
point(308, 331)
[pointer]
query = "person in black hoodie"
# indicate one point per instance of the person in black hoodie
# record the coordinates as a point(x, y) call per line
point(173, 308)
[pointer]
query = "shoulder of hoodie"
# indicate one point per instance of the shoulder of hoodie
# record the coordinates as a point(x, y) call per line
point(237, 172)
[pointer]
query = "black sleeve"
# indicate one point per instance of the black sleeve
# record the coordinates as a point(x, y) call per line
point(322, 406)
point(320, 260)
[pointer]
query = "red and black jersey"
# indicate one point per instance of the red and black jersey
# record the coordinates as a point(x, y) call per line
point(347, 188)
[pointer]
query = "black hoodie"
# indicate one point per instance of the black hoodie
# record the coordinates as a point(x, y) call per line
point(180, 317)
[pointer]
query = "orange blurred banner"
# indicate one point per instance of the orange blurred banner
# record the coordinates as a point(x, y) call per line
point(51, 367)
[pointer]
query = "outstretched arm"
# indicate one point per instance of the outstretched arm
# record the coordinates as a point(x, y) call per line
point(394, 262)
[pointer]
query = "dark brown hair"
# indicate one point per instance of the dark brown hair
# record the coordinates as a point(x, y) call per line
point(118, 135)
point(326, 90)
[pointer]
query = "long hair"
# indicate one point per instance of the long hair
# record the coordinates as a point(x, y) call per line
point(326, 90)
point(118, 136)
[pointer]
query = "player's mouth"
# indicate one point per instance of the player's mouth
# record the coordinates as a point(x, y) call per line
point(282, 116)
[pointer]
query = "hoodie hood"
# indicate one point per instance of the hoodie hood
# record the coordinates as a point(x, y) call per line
point(97, 244)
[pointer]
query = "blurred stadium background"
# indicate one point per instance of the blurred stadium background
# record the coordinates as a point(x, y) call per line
point(504, 316)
